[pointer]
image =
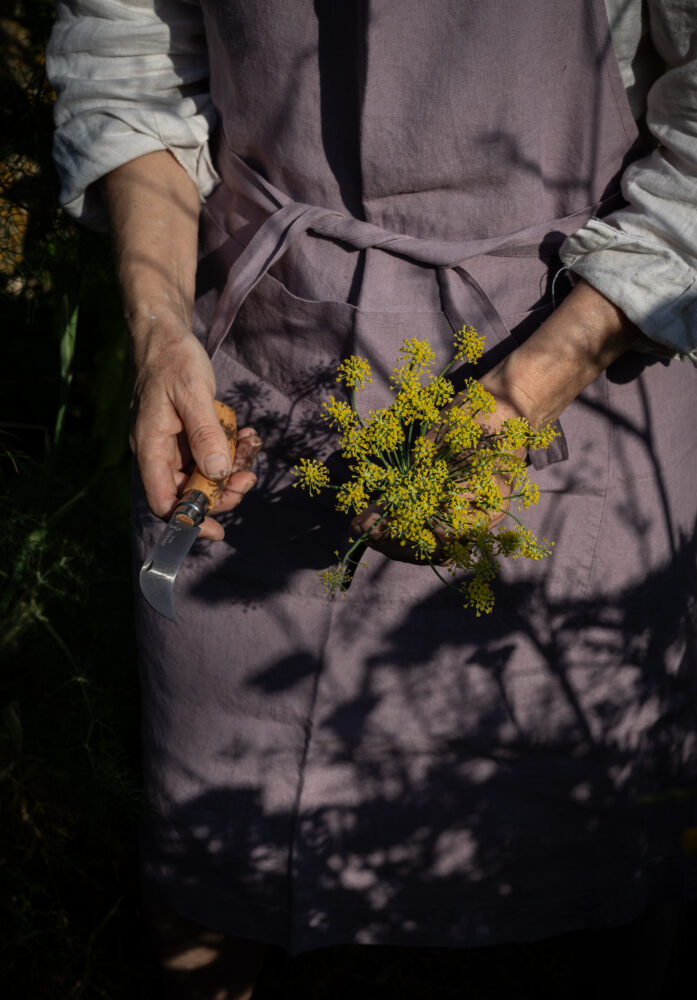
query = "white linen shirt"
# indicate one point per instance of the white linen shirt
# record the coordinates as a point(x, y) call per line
point(642, 257)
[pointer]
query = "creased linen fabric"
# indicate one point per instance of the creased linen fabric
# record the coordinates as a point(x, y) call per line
point(132, 78)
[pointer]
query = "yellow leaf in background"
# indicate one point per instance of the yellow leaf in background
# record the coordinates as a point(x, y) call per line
point(688, 841)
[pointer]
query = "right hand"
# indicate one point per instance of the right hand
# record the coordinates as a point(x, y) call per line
point(174, 422)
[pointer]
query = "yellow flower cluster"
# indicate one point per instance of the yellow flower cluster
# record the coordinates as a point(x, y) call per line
point(384, 433)
point(418, 353)
point(334, 578)
point(469, 345)
point(354, 373)
point(311, 475)
point(434, 469)
point(352, 497)
point(340, 415)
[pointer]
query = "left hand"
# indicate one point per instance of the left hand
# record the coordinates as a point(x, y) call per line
point(539, 379)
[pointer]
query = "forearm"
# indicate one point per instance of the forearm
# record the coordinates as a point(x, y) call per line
point(153, 206)
point(564, 355)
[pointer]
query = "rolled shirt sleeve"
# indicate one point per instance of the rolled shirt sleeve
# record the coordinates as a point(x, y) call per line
point(131, 78)
point(644, 257)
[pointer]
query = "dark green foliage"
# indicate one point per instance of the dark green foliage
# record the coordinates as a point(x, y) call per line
point(69, 785)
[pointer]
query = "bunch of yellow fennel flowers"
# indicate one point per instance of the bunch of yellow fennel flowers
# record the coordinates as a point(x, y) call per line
point(434, 470)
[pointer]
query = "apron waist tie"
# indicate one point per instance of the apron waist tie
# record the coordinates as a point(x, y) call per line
point(289, 220)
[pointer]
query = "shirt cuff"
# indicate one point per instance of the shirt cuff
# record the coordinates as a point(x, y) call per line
point(99, 141)
point(652, 285)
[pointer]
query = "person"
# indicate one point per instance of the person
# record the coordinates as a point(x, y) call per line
point(385, 767)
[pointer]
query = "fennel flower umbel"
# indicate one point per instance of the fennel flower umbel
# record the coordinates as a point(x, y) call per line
point(434, 470)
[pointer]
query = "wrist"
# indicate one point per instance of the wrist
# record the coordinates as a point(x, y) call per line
point(154, 312)
point(159, 334)
point(565, 354)
point(149, 297)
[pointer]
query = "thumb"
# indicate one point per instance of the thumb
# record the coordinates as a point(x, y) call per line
point(207, 440)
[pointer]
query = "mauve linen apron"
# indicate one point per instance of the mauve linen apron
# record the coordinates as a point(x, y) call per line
point(385, 766)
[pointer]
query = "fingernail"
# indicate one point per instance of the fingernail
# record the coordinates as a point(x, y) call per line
point(216, 466)
point(248, 483)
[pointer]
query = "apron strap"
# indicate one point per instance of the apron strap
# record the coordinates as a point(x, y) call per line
point(270, 242)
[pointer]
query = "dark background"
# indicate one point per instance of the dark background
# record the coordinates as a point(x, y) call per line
point(70, 919)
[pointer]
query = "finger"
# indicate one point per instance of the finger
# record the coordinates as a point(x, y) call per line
point(239, 483)
point(378, 538)
point(207, 440)
point(367, 520)
point(157, 457)
point(154, 443)
point(237, 486)
point(248, 447)
point(242, 479)
point(235, 489)
point(181, 478)
point(212, 530)
point(160, 488)
point(394, 550)
point(497, 518)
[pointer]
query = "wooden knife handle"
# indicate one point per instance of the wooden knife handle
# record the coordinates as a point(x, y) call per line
point(213, 488)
